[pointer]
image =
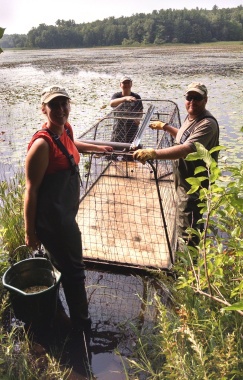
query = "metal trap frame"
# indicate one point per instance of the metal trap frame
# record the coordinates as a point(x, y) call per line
point(127, 212)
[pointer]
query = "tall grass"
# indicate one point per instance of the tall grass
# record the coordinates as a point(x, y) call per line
point(18, 357)
point(21, 360)
point(11, 211)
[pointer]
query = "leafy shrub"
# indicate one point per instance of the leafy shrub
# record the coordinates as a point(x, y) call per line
point(200, 337)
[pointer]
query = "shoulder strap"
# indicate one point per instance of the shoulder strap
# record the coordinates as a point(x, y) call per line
point(188, 131)
point(216, 121)
point(68, 133)
point(60, 145)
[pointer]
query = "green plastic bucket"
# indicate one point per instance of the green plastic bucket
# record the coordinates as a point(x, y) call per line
point(35, 307)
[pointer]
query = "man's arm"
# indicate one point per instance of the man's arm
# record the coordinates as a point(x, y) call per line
point(115, 102)
point(160, 125)
point(174, 152)
point(171, 153)
point(171, 130)
point(87, 147)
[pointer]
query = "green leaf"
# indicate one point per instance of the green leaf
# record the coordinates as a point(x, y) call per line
point(200, 169)
point(235, 306)
point(193, 181)
point(214, 175)
point(193, 156)
point(1, 32)
point(216, 148)
point(236, 232)
point(217, 189)
point(201, 204)
point(220, 248)
point(193, 189)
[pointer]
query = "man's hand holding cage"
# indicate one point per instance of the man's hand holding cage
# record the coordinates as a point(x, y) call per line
point(159, 125)
point(144, 155)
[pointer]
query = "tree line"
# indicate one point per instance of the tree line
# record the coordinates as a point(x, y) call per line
point(159, 27)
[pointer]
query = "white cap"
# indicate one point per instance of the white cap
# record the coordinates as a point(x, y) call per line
point(123, 79)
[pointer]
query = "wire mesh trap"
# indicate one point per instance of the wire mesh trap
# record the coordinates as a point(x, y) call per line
point(127, 210)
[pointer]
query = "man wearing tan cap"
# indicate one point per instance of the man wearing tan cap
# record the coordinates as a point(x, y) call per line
point(199, 126)
point(125, 129)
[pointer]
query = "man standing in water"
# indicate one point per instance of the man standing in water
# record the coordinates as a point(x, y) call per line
point(125, 129)
point(199, 126)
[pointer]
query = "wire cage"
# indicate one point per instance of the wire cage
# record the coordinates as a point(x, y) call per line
point(127, 210)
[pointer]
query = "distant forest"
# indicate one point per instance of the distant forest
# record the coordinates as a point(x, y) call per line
point(157, 28)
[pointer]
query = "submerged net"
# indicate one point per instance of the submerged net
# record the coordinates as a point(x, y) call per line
point(127, 210)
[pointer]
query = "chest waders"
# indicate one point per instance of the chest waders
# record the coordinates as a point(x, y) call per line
point(57, 229)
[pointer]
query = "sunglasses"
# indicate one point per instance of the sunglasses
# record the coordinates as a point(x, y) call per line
point(198, 98)
point(55, 103)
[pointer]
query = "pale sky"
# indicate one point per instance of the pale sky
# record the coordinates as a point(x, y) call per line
point(19, 16)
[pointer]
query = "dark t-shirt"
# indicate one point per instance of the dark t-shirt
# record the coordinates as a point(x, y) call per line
point(125, 127)
point(118, 95)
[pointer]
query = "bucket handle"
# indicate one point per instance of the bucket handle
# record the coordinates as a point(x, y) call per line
point(38, 253)
point(11, 259)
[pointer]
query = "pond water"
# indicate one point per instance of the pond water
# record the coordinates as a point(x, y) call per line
point(91, 76)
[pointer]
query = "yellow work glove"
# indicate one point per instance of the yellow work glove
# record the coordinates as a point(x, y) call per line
point(144, 155)
point(157, 125)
